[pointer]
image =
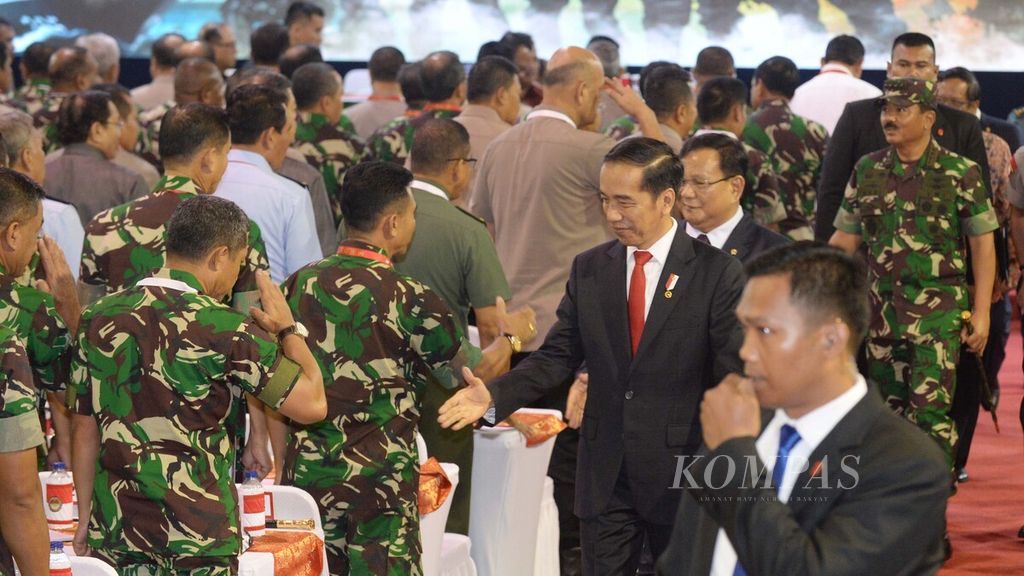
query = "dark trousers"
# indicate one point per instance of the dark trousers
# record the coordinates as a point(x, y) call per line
point(455, 446)
point(967, 398)
point(612, 541)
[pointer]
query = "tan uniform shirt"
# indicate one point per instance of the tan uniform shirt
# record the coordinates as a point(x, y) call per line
point(151, 95)
point(369, 115)
point(538, 184)
point(483, 125)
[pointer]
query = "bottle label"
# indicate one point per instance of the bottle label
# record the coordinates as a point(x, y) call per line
point(60, 571)
point(254, 504)
point(254, 519)
point(59, 511)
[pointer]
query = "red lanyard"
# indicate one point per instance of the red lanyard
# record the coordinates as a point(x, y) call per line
point(363, 253)
point(385, 98)
point(442, 106)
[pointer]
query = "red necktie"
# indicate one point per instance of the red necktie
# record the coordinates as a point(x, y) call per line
point(637, 298)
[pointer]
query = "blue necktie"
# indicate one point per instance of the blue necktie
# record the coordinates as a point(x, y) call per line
point(788, 438)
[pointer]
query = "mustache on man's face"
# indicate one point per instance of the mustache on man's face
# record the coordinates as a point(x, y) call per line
point(888, 125)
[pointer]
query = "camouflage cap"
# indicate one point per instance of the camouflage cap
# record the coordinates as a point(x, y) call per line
point(906, 91)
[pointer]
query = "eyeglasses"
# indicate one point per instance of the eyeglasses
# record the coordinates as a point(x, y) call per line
point(701, 185)
point(470, 161)
point(119, 123)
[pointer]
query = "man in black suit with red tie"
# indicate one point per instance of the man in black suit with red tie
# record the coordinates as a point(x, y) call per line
point(709, 201)
point(652, 315)
point(859, 132)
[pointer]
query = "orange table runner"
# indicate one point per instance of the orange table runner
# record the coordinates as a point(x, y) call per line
point(435, 486)
point(296, 553)
point(537, 428)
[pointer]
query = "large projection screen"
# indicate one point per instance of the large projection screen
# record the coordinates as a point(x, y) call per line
point(983, 35)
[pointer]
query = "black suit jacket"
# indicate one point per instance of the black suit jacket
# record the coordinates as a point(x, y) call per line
point(887, 517)
point(859, 132)
point(643, 411)
point(1006, 130)
point(749, 239)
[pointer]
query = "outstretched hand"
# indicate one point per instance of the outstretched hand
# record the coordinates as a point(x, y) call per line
point(467, 405)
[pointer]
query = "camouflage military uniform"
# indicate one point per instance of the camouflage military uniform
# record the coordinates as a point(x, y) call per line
point(33, 317)
point(393, 141)
point(45, 119)
point(622, 127)
point(761, 196)
point(126, 243)
point(377, 336)
point(29, 98)
point(795, 146)
point(148, 146)
point(913, 220)
point(162, 368)
point(19, 426)
point(330, 149)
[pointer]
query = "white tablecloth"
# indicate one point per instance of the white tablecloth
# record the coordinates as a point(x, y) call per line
point(508, 485)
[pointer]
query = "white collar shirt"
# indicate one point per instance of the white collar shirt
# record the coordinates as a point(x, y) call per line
point(720, 235)
point(652, 270)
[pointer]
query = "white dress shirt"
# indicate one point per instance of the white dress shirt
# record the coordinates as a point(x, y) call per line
point(281, 208)
point(652, 270)
point(824, 97)
point(719, 235)
point(62, 223)
point(813, 427)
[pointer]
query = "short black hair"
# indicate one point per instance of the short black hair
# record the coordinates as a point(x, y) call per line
point(442, 72)
point(5, 157)
point(968, 78)
point(913, 40)
point(256, 76)
point(302, 10)
point(297, 56)
point(435, 143)
point(717, 98)
point(607, 51)
point(164, 49)
point(411, 82)
point(203, 223)
point(67, 70)
point(188, 129)
point(513, 40)
point(253, 109)
point(36, 58)
point(488, 75)
point(494, 48)
point(267, 43)
point(119, 95)
point(666, 88)
point(369, 189)
point(845, 49)
point(715, 61)
point(385, 63)
point(78, 112)
point(19, 196)
point(732, 157)
point(210, 32)
point(313, 81)
point(824, 282)
point(650, 67)
point(662, 168)
point(779, 75)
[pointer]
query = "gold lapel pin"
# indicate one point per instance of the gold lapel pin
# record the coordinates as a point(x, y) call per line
point(732, 251)
point(668, 293)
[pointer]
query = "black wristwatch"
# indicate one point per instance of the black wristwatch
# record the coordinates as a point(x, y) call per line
point(298, 329)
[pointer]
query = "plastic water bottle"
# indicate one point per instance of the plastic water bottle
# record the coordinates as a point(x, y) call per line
point(59, 498)
point(254, 512)
point(60, 564)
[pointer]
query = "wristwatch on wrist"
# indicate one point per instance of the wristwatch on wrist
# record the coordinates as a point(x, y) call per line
point(517, 344)
point(298, 329)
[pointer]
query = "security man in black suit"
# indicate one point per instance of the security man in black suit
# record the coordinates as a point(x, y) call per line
point(826, 481)
point(651, 355)
point(709, 202)
point(859, 132)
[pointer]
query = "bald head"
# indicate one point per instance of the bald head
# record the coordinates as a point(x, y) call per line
point(195, 49)
point(198, 80)
point(573, 82)
point(72, 69)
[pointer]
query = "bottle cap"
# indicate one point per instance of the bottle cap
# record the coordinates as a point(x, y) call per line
point(56, 546)
point(251, 474)
point(58, 467)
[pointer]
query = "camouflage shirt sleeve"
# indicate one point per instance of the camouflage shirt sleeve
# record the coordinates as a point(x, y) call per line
point(245, 292)
point(763, 189)
point(19, 423)
point(436, 337)
point(848, 217)
point(79, 392)
point(256, 363)
point(49, 344)
point(974, 208)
